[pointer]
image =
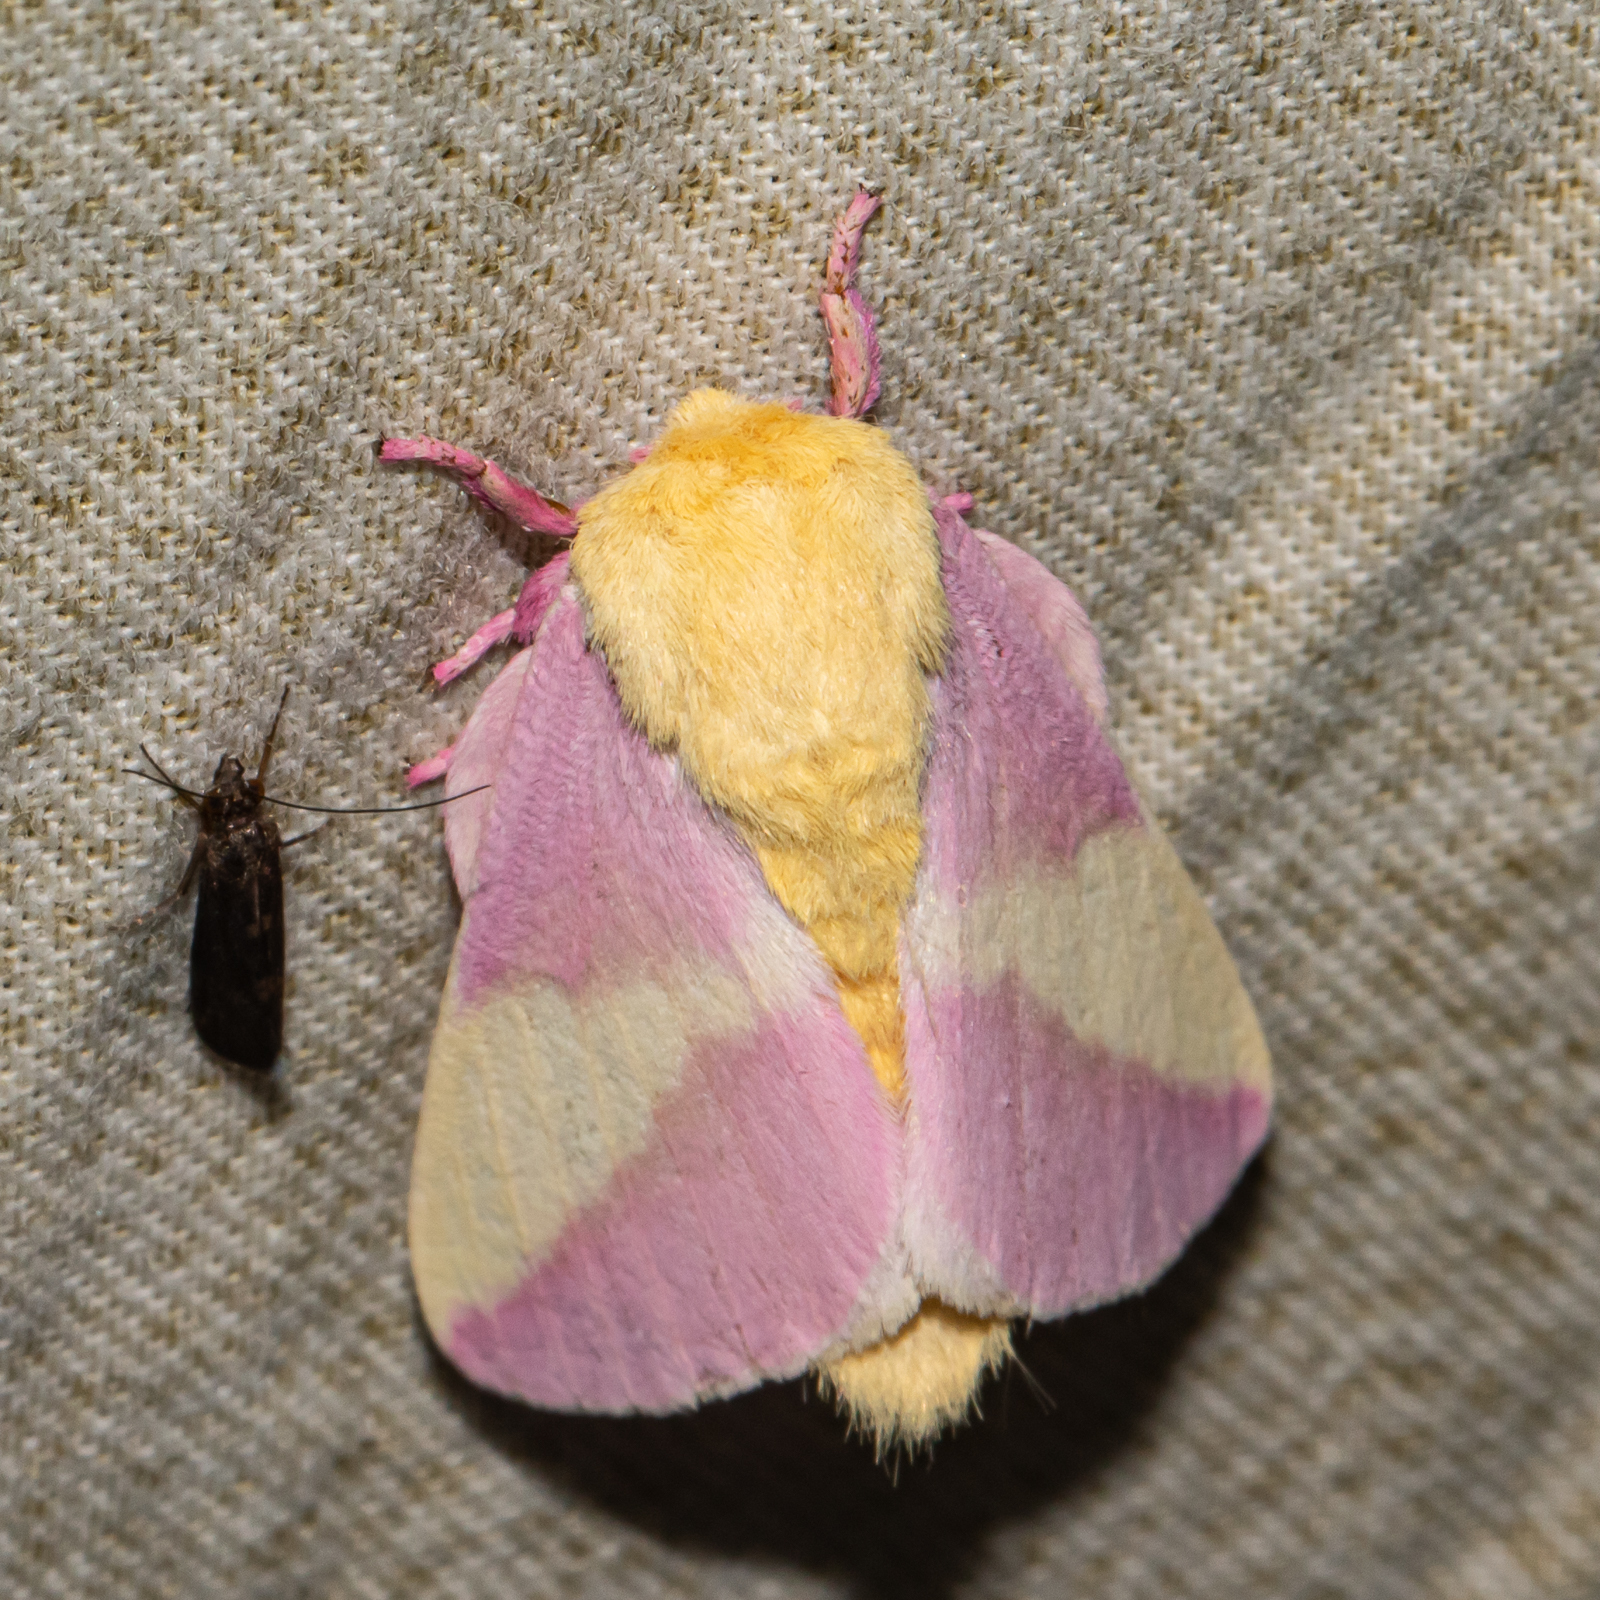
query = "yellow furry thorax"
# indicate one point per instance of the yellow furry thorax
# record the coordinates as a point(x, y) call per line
point(765, 588)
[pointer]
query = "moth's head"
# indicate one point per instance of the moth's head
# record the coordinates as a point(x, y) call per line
point(715, 444)
point(232, 793)
point(724, 467)
point(229, 773)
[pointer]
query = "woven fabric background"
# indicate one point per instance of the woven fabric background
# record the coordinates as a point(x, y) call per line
point(1272, 325)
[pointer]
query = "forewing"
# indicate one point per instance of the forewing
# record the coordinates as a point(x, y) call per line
point(236, 954)
point(1054, 611)
point(1086, 1073)
point(653, 1163)
point(481, 752)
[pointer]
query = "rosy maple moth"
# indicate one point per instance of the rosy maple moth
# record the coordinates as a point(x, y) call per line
point(824, 999)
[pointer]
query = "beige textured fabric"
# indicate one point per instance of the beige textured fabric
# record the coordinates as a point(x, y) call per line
point(1275, 328)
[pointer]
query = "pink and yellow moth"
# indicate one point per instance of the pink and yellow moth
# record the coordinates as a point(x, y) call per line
point(825, 999)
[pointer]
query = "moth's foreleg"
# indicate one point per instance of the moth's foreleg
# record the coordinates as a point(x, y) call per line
point(177, 894)
point(488, 484)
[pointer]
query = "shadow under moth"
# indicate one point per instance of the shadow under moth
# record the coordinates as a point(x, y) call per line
point(825, 999)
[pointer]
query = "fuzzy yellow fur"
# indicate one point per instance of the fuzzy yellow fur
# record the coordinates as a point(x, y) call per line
point(913, 1385)
point(765, 588)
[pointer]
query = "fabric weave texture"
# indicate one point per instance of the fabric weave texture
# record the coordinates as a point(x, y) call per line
point(1273, 327)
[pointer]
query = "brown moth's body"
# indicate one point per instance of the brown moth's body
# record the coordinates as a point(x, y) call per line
point(236, 958)
point(236, 955)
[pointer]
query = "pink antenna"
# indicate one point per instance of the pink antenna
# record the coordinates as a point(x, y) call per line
point(852, 340)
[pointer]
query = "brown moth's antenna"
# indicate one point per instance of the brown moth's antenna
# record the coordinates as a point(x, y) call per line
point(371, 811)
point(193, 798)
point(272, 733)
point(188, 796)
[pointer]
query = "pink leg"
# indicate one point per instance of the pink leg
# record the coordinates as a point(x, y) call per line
point(433, 767)
point(498, 490)
point(852, 339)
point(487, 483)
point(477, 647)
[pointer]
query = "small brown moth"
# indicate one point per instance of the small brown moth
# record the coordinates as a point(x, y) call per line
point(236, 955)
point(236, 958)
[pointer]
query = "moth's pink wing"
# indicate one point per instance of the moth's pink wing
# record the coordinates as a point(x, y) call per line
point(653, 1163)
point(1054, 610)
point(1086, 1073)
point(479, 755)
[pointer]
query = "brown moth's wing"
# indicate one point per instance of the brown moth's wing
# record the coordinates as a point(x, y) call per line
point(236, 960)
